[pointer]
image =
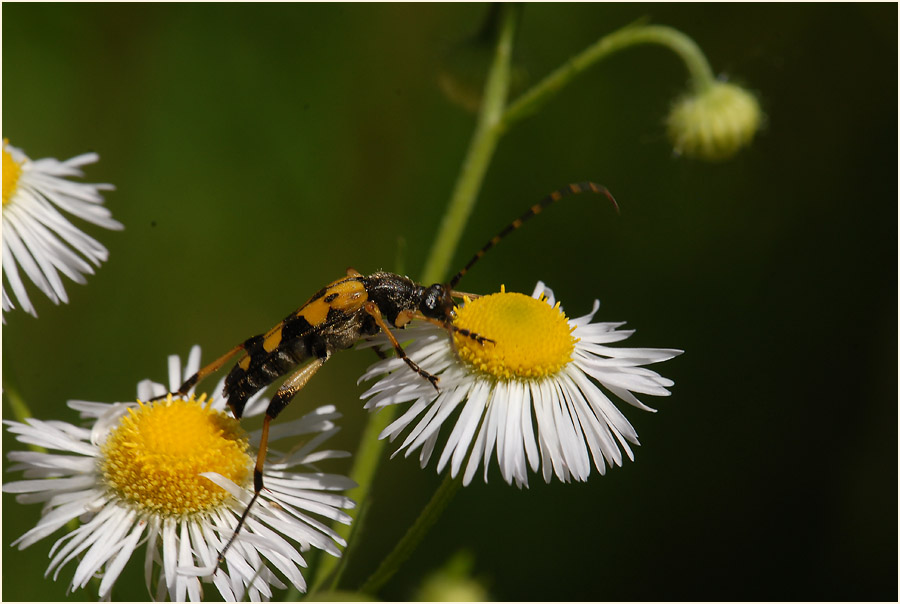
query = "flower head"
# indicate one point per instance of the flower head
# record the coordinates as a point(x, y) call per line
point(531, 395)
point(177, 474)
point(454, 582)
point(36, 235)
point(715, 123)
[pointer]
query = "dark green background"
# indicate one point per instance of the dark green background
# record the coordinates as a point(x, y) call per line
point(260, 150)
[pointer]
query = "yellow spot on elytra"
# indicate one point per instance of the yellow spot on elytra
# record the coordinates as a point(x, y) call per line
point(273, 339)
point(351, 295)
point(315, 312)
point(154, 457)
point(531, 338)
point(11, 172)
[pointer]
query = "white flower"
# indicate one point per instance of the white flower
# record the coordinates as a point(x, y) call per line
point(531, 395)
point(147, 473)
point(36, 236)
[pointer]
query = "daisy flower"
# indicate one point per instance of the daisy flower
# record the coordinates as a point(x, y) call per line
point(532, 395)
point(176, 475)
point(36, 235)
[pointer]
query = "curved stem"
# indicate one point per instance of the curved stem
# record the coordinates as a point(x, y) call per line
point(701, 73)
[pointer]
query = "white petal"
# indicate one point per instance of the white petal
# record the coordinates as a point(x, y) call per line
point(461, 436)
point(475, 456)
point(174, 372)
point(193, 363)
point(571, 442)
point(170, 555)
point(527, 428)
point(490, 428)
point(115, 567)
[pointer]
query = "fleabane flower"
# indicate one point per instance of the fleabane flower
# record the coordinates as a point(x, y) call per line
point(537, 396)
point(175, 475)
point(714, 123)
point(37, 237)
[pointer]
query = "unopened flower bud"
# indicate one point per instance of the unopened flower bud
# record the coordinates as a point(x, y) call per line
point(454, 582)
point(714, 124)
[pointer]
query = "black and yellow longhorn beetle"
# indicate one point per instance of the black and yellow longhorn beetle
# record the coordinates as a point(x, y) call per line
point(336, 317)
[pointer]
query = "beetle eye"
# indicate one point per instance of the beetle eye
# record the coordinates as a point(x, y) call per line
point(432, 302)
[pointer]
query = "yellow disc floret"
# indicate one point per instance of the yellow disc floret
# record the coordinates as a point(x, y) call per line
point(531, 339)
point(11, 172)
point(154, 457)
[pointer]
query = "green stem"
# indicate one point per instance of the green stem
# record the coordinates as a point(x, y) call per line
point(411, 539)
point(330, 569)
point(20, 409)
point(481, 149)
point(366, 462)
point(701, 73)
point(478, 157)
point(18, 405)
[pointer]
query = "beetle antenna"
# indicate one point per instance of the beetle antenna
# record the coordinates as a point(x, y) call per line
point(573, 189)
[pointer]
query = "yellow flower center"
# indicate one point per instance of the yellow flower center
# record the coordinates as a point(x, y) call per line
point(531, 338)
point(11, 171)
point(154, 457)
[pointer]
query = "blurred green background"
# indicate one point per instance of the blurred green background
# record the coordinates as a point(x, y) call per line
point(260, 150)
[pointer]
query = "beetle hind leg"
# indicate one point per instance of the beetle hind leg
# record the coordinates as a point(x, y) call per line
point(282, 397)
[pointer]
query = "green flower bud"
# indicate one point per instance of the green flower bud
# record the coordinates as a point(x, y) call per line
point(715, 123)
point(453, 582)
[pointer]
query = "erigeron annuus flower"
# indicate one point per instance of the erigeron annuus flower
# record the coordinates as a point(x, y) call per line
point(37, 237)
point(176, 474)
point(532, 397)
